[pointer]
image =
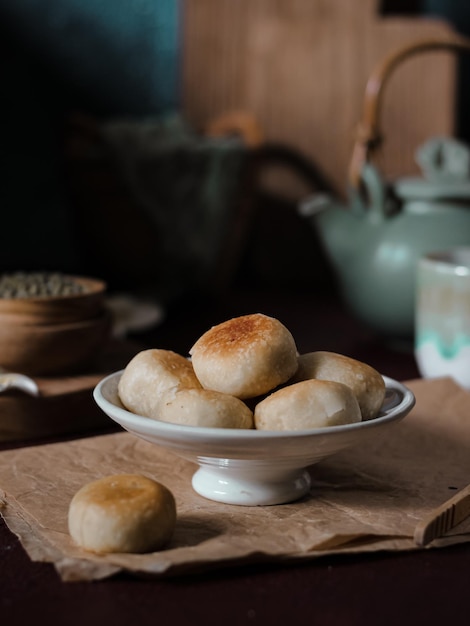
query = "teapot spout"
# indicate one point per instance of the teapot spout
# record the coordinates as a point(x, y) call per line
point(314, 204)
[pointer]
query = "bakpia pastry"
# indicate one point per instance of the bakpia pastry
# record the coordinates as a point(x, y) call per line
point(204, 407)
point(246, 356)
point(366, 383)
point(122, 513)
point(149, 375)
point(306, 405)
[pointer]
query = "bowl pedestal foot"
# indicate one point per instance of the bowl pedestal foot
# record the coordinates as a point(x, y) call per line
point(249, 489)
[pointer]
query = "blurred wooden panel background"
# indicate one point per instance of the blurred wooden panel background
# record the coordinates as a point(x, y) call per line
point(301, 66)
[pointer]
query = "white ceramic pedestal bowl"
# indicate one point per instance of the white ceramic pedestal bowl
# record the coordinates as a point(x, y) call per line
point(252, 467)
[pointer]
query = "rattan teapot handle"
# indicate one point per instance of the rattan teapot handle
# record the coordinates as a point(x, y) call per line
point(368, 137)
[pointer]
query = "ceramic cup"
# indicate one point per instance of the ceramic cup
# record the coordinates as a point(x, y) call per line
point(442, 315)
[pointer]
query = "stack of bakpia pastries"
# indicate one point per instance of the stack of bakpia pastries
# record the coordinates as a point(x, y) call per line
point(246, 372)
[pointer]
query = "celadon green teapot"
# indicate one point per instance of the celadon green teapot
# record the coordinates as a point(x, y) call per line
point(374, 243)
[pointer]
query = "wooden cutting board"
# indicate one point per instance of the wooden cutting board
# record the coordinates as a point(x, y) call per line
point(301, 68)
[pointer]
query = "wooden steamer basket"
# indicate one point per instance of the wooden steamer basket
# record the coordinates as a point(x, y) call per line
point(54, 335)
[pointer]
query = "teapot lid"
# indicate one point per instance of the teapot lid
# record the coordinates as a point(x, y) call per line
point(445, 163)
point(423, 189)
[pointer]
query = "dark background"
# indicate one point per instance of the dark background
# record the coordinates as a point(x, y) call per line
point(108, 59)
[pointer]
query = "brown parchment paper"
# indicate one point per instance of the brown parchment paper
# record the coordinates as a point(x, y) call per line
point(366, 499)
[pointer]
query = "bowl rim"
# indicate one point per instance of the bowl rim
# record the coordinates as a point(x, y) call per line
point(138, 423)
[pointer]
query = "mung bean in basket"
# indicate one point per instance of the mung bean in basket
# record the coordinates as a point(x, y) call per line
point(38, 284)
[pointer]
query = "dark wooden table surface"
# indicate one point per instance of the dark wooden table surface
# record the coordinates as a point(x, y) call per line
point(423, 587)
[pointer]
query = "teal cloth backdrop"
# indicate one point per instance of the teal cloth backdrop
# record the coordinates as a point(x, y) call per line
point(108, 57)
